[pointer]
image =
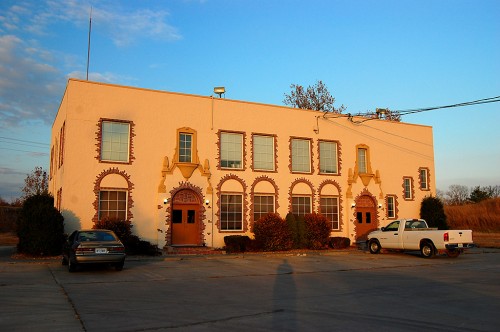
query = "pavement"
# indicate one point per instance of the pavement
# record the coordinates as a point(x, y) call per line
point(296, 291)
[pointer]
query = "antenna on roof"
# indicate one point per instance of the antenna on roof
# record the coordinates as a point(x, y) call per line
point(88, 48)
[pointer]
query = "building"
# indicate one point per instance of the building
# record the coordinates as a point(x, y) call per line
point(189, 170)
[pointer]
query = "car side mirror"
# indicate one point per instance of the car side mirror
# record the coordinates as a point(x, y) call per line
point(383, 229)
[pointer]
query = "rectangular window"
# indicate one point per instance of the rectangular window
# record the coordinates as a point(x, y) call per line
point(301, 205)
point(231, 212)
point(328, 157)
point(263, 153)
point(424, 183)
point(61, 141)
point(408, 190)
point(231, 145)
point(185, 147)
point(113, 204)
point(391, 207)
point(115, 141)
point(329, 207)
point(301, 155)
point(262, 205)
point(362, 161)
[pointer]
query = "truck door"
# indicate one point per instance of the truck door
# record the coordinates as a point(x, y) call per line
point(392, 236)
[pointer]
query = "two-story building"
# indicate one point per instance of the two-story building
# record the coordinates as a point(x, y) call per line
point(189, 170)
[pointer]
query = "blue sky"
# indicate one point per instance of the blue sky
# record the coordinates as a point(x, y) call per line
point(400, 54)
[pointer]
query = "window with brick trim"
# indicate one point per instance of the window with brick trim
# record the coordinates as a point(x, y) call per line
point(263, 153)
point(113, 204)
point(391, 207)
point(301, 205)
point(362, 160)
point(329, 207)
point(231, 212)
point(301, 155)
point(115, 141)
point(262, 205)
point(328, 160)
point(424, 178)
point(408, 188)
point(231, 150)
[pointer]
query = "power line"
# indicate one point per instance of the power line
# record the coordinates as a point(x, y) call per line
point(21, 140)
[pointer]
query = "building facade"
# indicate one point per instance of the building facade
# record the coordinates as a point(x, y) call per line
point(190, 170)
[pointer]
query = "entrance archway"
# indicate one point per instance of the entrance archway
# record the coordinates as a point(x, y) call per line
point(366, 216)
point(186, 207)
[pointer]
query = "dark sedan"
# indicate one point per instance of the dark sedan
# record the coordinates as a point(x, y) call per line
point(93, 246)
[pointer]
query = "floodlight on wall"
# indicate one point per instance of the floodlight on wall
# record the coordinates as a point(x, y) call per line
point(353, 205)
point(220, 90)
point(165, 201)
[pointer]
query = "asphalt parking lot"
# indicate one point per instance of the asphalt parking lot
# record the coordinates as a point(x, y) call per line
point(345, 290)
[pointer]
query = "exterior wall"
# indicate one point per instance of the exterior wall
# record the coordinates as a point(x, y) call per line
point(395, 151)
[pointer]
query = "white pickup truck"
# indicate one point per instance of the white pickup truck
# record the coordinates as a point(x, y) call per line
point(414, 234)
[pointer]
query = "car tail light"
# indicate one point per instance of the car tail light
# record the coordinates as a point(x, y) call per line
point(81, 250)
point(117, 249)
point(446, 237)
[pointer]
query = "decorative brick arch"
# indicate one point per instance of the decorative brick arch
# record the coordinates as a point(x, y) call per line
point(198, 192)
point(97, 189)
point(245, 203)
point(275, 186)
point(290, 192)
point(341, 205)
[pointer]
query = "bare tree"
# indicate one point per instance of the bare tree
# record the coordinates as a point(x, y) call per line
point(316, 97)
point(457, 194)
point(36, 183)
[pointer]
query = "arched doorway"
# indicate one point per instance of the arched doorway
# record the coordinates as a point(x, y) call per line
point(366, 216)
point(186, 207)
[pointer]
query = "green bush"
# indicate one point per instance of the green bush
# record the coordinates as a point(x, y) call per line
point(123, 229)
point(297, 229)
point(432, 211)
point(317, 231)
point(40, 227)
point(237, 243)
point(272, 233)
point(338, 242)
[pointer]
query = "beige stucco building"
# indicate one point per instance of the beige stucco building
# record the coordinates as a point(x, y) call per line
point(189, 170)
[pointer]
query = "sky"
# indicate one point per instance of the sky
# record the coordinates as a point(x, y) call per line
point(396, 54)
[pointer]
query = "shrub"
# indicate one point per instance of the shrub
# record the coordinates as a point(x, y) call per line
point(338, 242)
point(237, 243)
point(123, 229)
point(317, 231)
point(432, 211)
point(40, 227)
point(297, 229)
point(272, 233)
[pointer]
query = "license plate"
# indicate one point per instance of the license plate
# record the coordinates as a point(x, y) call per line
point(460, 245)
point(101, 250)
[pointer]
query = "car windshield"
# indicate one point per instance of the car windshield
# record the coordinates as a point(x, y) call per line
point(96, 236)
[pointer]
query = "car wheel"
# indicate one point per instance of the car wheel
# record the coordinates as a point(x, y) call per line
point(72, 266)
point(119, 266)
point(453, 253)
point(374, 246)
point(427, 249)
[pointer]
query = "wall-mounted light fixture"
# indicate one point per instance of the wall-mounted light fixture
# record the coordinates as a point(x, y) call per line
point(207, 202)
point(220, 90)
point(165, 200)
point(380, 206)
point(353, 205)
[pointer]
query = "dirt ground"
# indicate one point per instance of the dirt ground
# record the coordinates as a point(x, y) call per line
point(482, 240)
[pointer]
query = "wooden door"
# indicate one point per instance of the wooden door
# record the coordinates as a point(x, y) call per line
point(185, 219)
point(366, 217)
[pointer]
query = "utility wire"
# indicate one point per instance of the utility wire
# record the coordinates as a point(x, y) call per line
point(21, 140)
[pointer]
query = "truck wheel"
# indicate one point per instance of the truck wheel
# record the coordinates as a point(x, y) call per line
point(374, 246)
point(427, 250)
point(453, 253)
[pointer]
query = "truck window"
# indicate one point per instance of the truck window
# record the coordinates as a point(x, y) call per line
point(393, 226)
